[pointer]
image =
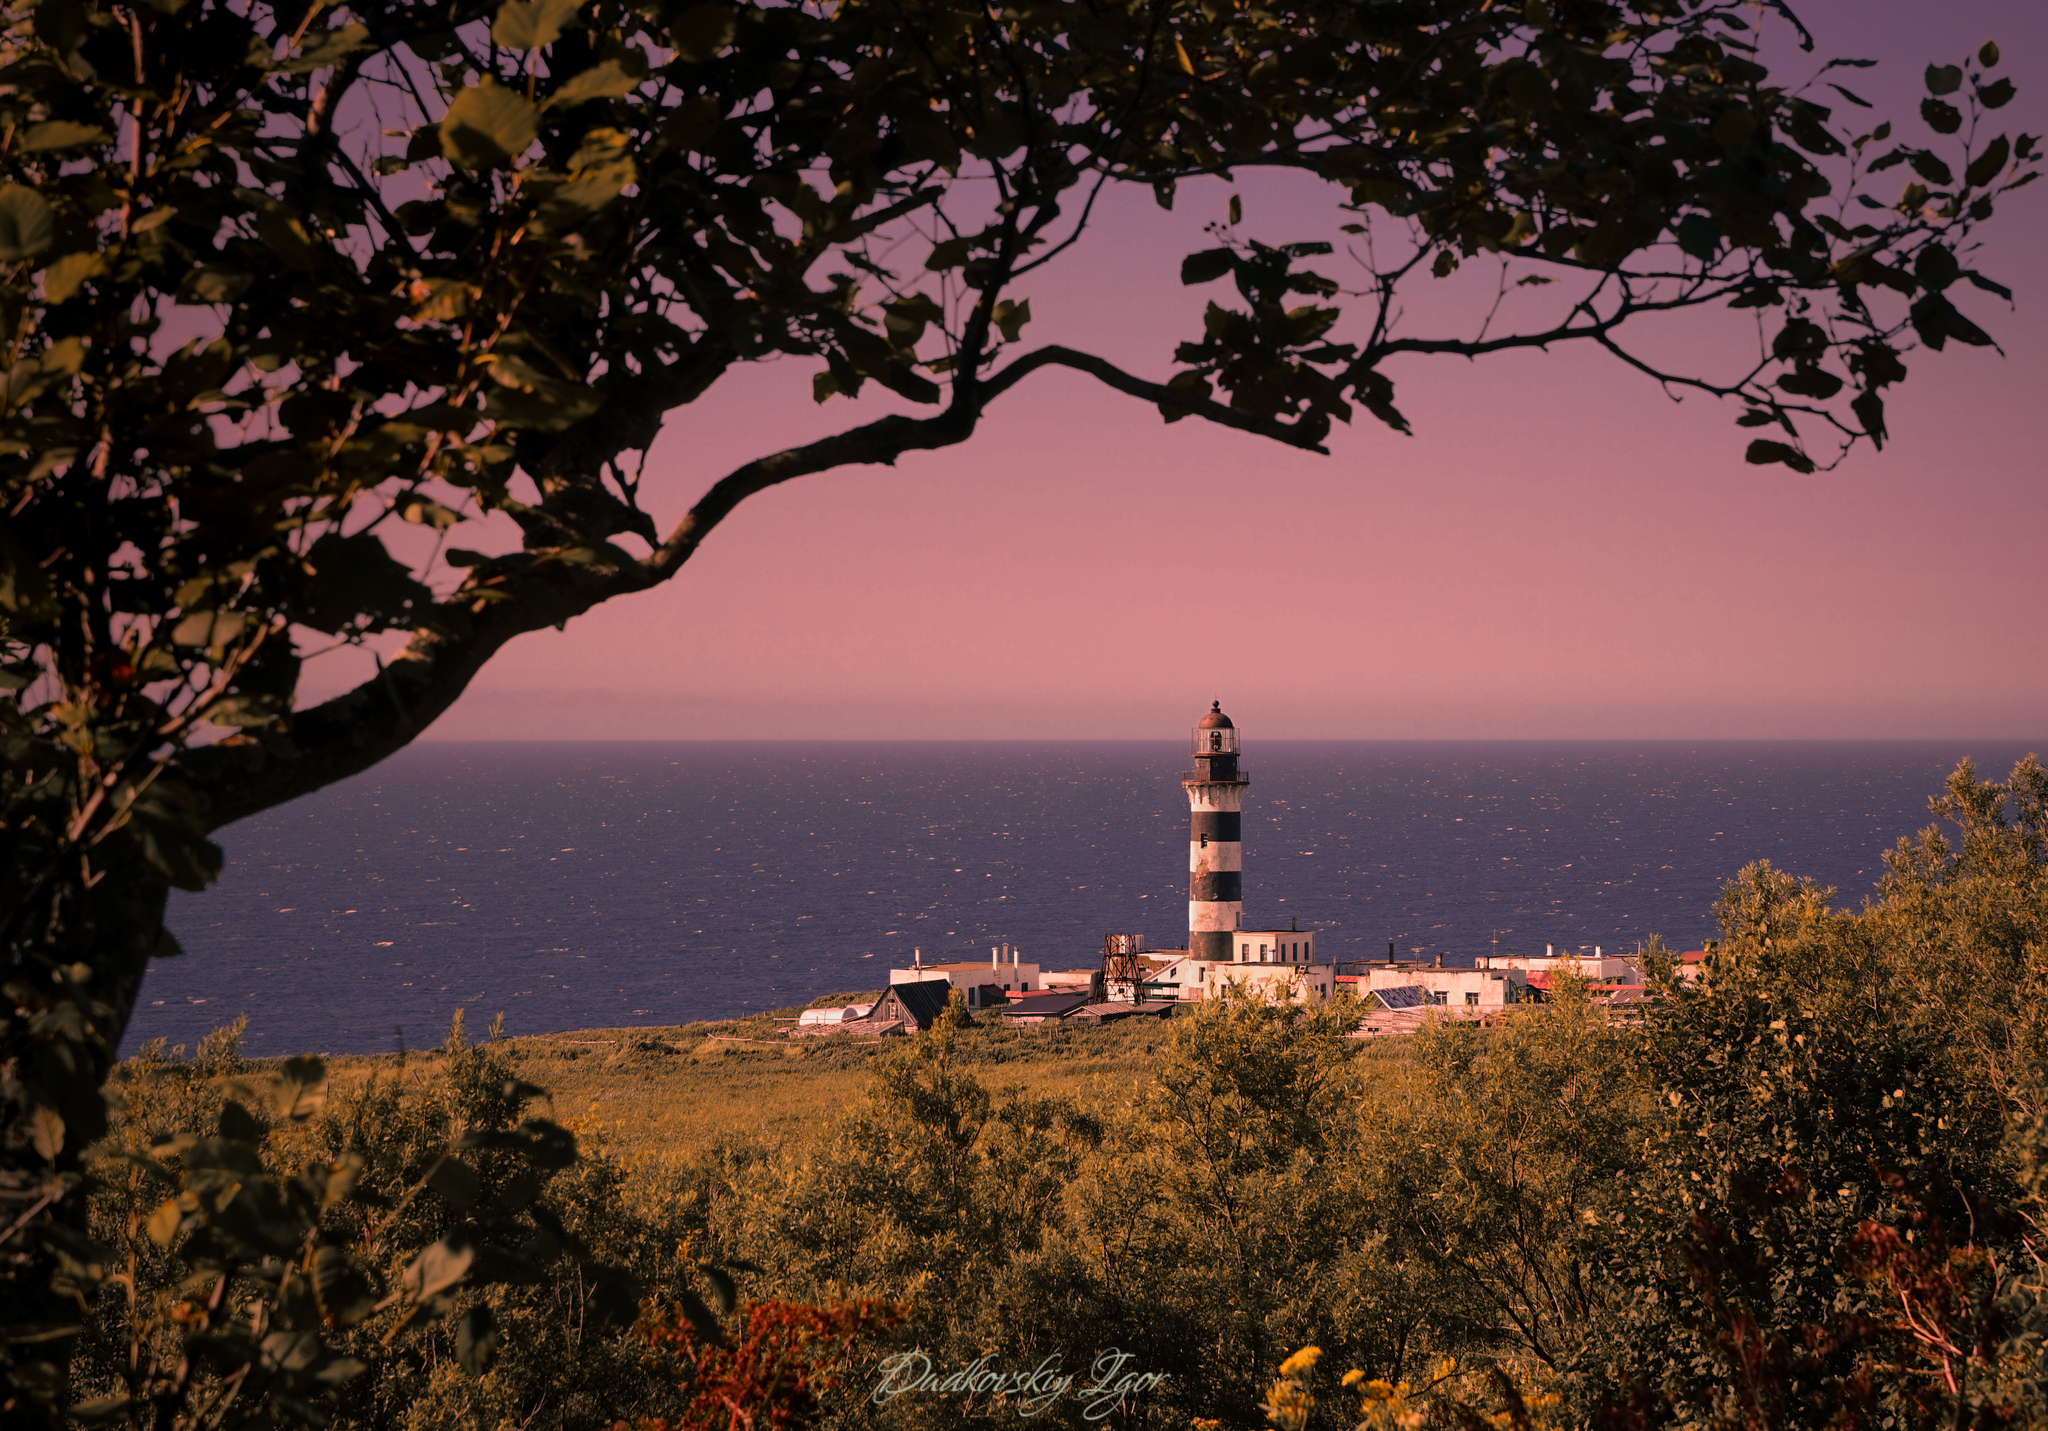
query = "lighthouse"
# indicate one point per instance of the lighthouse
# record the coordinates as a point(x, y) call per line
point(1215, 838)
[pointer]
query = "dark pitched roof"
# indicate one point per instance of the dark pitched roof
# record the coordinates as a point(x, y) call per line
point(1043, 1005)
point(1408, 996)
point(1111, 1012)
point(920, 1002)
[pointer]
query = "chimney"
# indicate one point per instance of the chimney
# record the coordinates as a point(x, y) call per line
point(993, 962)
point(1015, 953)
point(1294, 924)
point(1550, 951)
point(1596, 951)
point(1390, 951)
point(1439, 958)
point(917, 958)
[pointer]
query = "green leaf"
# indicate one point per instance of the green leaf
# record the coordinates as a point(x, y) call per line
point(1941, 117)
point(530, 24)
point(476, 1340)
point(342, 1291)
point(724, 1295)
point(426, 512)
point(702, 31)
point(164, 1223)
point(608, 80)
point(1985, 167)
point(488, 126)
point(329, 47)
point(209, 628)
point(1930, 168)
point(1936, 320)
point(1804, 126)
point(26, 223)
point(950, 254)
point(1944, 79)
point(62, 24)
point(548, 1145)
point(214, 283)
point(1011, 318)
point(62, 278)
point(239, 1123)
point(1996, 95)
point(700, 1316)
point(1978, 280)
point(59, 134)
point(1207, 266)
point(1869, 410)
point(455, 1181)
point(1762, 452)
point(103, 1408)
point(1936, 267)
point(1799, 339)
point(1811, 382)
point(553, 408)
point(1236, 209)
point(1987, 54)
point(437, 1269)
point(1699, 236)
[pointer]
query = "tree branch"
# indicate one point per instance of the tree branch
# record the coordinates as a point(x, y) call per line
point(529, 590)
point(1107, 372)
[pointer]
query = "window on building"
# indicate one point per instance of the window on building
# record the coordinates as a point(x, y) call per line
point(1472, 1000)
point(1245, 953)
point(1262, 953)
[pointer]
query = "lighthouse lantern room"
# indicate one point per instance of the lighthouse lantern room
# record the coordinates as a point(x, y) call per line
point(1215, 837)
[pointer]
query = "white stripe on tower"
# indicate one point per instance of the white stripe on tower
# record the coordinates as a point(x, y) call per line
point(1215, 838)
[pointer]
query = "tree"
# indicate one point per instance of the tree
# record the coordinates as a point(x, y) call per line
point(282, 282)
point(1835, 1208)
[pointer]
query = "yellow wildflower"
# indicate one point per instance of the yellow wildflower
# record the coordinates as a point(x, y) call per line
point(1301, 1362)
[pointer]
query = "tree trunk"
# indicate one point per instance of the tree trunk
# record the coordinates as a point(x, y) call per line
point(72, 981)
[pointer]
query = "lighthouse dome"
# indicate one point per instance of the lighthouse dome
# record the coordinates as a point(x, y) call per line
point(1216, 735)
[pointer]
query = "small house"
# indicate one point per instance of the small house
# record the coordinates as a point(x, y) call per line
point(1041, 1008)
point(916, 1004)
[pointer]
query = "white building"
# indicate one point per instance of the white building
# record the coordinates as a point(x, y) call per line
point(1596, 967)
point(1275, 946)
point(1461, 988)
point(1186, 977)
point(1005, 972)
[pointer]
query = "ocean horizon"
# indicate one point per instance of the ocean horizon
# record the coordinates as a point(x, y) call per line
point(616, 883)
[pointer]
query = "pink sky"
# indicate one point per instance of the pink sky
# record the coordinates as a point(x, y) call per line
point(1559, 551)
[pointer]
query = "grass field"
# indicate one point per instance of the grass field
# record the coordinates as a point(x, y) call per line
point(652, 1095)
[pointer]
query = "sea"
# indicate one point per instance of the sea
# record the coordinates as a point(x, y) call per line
point(617, 884)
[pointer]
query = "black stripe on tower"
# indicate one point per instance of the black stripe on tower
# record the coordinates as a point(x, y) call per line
point(1216, 887)
point(1226, 826)
point(1210, 944)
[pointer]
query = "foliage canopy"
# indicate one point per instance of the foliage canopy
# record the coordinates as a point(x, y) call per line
point(288, 294)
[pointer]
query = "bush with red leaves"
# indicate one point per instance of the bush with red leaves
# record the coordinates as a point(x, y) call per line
point(772, 1374)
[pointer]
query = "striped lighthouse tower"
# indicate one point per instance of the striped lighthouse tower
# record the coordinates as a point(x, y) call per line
point(1215, 838)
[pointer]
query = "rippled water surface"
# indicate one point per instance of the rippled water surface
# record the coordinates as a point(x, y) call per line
point(599, 885)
